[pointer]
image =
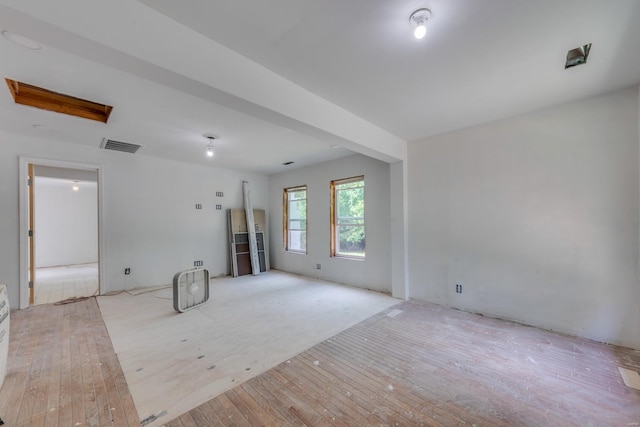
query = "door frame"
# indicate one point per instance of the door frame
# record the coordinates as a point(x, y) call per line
point(23, 170)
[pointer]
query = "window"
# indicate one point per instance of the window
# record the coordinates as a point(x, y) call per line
point(347, 218)
point(295, 219)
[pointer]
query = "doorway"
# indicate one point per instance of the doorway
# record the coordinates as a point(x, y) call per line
point(60, 206)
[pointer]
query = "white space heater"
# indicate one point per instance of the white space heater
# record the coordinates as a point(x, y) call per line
point(190, 289)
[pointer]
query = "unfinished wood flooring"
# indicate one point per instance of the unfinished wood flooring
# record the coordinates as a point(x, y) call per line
point(63, 371)
point(420, 364)
point(411, 364)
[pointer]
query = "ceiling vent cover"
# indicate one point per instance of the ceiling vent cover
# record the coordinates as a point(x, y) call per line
point(110, 144)
point(577, 56)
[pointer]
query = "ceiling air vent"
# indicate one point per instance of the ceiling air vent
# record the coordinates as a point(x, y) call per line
point(110, 144)
point(577, 56)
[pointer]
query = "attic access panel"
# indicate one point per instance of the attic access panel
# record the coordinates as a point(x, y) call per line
point(45, 99)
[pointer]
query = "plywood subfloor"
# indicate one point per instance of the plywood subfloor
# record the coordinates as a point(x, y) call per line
point(55, 284)
point(176, 361)
point(62, 370)
point(420, 364)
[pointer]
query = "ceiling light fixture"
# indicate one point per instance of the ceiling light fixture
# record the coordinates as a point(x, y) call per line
point(210, 151)
point(75, 187)
point(21, 40)
point(419, 20)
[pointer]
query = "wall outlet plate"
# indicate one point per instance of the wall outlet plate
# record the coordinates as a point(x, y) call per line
point(127, 270)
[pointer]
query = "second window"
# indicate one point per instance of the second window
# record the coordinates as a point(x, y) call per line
point(295, 219)
point(347, 222)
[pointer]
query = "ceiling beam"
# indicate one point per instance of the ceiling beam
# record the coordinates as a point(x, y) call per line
point(143, 42)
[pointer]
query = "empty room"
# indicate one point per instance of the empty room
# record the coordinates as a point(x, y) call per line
point(317, 213)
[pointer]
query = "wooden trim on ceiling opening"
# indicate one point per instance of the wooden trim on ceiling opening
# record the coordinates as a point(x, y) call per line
point(45, 99)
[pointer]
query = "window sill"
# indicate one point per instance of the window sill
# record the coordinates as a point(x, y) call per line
point(352, 258)
point(295, 252)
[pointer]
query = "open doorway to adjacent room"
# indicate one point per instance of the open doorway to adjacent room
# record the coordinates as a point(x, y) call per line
point(63, 219)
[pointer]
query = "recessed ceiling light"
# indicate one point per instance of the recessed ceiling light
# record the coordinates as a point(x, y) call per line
point(577, 56)
point(21, 40)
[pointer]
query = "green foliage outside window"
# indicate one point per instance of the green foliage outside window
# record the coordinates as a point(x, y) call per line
point(350, 238)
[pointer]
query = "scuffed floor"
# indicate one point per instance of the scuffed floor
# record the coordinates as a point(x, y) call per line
point(174, 362)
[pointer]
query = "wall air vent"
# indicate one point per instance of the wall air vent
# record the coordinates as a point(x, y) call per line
point(110, 144)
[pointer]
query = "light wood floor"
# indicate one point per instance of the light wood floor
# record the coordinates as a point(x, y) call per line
point(176, 361)
point(411, 364)
point(434, 366)
point(55, 284)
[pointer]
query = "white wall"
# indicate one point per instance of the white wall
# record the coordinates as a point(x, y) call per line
point(149, 216)
point(66, 222)
point(536, 216)
point(372, 273)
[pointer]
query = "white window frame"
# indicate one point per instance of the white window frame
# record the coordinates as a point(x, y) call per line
point(287, 220)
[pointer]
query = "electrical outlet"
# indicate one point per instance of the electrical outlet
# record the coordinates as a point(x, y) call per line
point(219, 194)
point(458, 288)
point(198, 205)
point(218, 207)
point(127, 270)
point(318, 266)
point(198, 263)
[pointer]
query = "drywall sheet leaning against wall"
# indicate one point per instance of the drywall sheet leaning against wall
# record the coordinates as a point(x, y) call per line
point(239, 241)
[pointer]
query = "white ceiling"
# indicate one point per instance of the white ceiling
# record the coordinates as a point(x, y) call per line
point(480, 61)
point(65, 174)
point(48, 182)
point(258, 74)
